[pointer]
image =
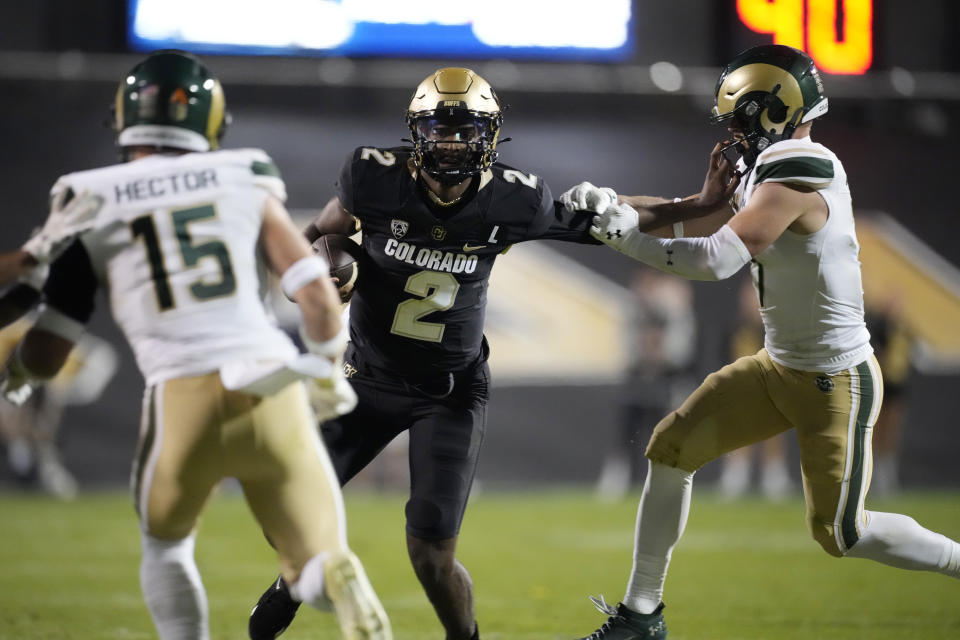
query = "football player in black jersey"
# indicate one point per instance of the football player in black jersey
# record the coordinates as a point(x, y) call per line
point(434, 217)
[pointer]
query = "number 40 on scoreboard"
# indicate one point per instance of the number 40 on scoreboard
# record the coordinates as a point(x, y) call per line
point(838, 34)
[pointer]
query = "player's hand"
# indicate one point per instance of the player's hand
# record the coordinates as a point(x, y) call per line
point(586, 197)
point(333, 396)
point(16, 385)
point(721, 180)
point(615, 226)
point(345, 291)
point(63, 225)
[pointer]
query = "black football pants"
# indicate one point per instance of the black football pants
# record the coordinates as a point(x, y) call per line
point(445, 437)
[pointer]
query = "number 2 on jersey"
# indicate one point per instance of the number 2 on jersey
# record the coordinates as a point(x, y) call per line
point(438, 291)
point(145, 227)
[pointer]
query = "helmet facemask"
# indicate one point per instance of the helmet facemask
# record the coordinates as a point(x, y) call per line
point(454, 118)
point(753, 111)
point(452, 144)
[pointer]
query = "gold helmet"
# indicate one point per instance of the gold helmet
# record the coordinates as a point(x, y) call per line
point(454, 118)
point(769, 90)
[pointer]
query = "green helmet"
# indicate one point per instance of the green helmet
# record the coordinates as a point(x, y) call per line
point(770, 90)
point(170, 100)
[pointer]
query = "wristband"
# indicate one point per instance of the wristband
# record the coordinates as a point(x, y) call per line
point(303, 272)
point(332, 348)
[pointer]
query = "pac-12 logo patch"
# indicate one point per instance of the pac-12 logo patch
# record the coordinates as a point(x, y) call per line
point(399, 228)
point(824, 383)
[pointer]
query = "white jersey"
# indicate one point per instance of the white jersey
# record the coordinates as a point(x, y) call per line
point(811, 293)
point(176, 244)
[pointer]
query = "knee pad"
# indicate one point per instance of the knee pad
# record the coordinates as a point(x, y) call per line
point(431, 520)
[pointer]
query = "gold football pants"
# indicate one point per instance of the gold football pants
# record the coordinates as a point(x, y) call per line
point(755, 398)
point(194, 433)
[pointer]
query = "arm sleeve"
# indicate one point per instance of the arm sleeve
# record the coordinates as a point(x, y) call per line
point(715, 257)
point(72, 285)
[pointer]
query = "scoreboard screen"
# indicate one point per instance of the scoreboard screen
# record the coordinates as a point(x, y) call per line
point(837, 34)
point(600, 30)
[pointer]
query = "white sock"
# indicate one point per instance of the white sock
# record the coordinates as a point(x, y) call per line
point(898, 541)
point(172, 589)
point(661, 518)
point(309, 586)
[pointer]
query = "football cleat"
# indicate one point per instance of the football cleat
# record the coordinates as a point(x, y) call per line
point(273, 612)
point(624, 624)
point(359, 612)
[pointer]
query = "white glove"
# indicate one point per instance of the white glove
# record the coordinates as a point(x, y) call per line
point(332, 396)
point(63, 225)
point(615, 226)
point(586, 197)
point(16, 383)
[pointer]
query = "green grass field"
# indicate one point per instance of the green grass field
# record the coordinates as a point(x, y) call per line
point(743, 571)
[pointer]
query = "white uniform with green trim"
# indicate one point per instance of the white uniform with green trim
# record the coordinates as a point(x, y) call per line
point(176, 243)
point(811, 293)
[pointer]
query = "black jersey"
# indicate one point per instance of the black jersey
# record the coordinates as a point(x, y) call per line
point(420, 299)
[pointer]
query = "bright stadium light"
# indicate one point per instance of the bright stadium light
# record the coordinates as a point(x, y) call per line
point(666, 76)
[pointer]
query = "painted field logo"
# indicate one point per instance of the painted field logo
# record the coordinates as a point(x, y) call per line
point(824, 383)
point(399, 228)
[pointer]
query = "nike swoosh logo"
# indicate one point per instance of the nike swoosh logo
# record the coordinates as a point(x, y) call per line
point(467, 247)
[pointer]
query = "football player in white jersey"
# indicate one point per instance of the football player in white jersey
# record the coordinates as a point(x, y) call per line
point(791, 218)
point(180, 236)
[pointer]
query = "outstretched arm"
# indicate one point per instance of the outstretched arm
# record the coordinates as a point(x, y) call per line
point(699, 214)
point(772, 209)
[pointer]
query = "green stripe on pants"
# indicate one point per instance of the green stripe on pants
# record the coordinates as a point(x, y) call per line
point(866, 389)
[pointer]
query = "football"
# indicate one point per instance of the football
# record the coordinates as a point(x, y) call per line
point(343, 256)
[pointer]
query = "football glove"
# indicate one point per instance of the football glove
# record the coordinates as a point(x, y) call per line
point(63, 225)
point(615, 226)
point(586, 197)
point(333, 396)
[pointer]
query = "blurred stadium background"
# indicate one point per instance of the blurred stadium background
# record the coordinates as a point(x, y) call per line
point(627, 110)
